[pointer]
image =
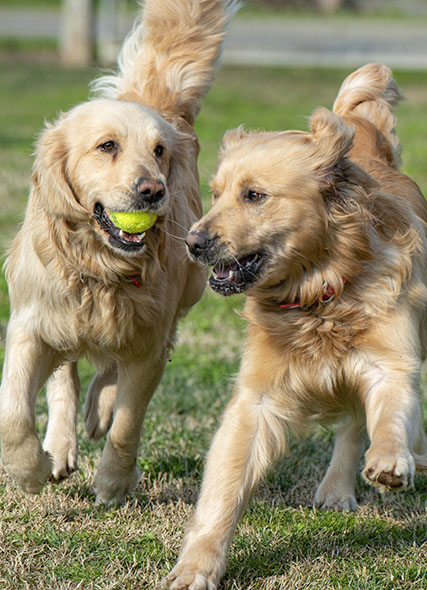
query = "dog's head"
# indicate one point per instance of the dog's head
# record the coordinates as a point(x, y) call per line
point(273, 197)
point(106, 156)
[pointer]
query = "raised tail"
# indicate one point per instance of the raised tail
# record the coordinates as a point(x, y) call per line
point(371, 92)
point(170, 59)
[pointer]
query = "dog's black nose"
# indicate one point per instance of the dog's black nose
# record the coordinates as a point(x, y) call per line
point(198, 242)
point(151, 190)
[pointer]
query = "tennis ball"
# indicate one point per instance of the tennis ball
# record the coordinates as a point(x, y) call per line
point(133, 222)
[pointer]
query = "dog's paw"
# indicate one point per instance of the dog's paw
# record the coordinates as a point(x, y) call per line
point(97, 425)
point(187, 581)
point(335, 501)
point(64, 457)
point(199, 568)
point(29, 466)
point(112, 490)
point(389, 472)
point(98, 411)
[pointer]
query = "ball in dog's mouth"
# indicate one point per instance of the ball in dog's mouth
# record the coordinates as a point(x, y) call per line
point(118, 237)
point(237, 275)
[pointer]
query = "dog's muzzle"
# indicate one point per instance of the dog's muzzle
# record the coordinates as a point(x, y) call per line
point(230, 274)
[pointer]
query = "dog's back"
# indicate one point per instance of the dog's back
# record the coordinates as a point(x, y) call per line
point(365, 101)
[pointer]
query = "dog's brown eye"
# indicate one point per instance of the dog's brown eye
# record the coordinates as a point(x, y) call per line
point(253, 196)
point(108, 146)
point(158, 151)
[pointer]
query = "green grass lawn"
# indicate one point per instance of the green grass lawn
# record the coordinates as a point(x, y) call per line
point(60, 540)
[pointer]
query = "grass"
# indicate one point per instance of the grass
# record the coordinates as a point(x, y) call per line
point(59, 539)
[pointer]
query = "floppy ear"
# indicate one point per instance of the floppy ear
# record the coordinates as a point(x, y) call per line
point(52, 187)
point(331, 136)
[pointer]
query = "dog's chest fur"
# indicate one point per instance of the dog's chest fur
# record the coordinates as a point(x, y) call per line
point(99, 317)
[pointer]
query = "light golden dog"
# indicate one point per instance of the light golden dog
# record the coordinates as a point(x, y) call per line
point(80, 286)
point(329, 242)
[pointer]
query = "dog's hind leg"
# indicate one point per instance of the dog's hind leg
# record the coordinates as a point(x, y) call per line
point(336, 491)
point(63, 391)
point(250, 437)
point(28, 363)
point(99, 404)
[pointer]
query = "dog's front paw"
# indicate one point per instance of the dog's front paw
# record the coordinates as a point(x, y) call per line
point(389, 471)
point(199, 567)
point(28, 464)
point(333, 500)
point(64, 457)
point(179, 579)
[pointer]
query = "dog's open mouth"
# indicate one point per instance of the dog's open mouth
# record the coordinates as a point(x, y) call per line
point(236, 276)
point(117, 237)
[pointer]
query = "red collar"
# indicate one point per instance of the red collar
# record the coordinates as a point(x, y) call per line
point(328, 294)
point(135, 279)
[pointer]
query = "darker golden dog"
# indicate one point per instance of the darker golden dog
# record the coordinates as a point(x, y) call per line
point(81, 286)
point(328, 240)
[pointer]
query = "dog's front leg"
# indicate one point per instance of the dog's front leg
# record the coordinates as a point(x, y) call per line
point(249, 438)
point(62, 392)
point(394, 421)
point(118, 474)
point(28, 363)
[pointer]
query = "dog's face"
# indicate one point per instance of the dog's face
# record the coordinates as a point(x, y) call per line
point(107, 156)
point(269, 218)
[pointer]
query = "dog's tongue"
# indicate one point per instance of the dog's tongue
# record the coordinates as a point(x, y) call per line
point(131, 237)
point(222, 271)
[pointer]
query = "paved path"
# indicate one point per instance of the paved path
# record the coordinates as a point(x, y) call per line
point(328, 41)
point(297, 41)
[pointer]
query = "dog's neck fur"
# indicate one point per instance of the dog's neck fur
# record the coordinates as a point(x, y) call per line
point(383, 236)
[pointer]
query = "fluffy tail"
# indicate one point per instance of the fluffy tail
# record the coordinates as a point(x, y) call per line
point(170, 59)
point(371, 92)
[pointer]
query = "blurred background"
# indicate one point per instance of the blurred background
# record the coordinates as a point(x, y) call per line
point(269, 32)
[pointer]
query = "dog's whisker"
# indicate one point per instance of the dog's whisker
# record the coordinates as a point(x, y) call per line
point(178, 238)
point(301, 255)
point(245, 269)
point(179, 225)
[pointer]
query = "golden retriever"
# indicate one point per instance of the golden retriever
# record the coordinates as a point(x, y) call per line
point(328, 239)
point(79, 286)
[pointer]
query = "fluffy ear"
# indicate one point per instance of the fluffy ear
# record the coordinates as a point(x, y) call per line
point(51, 185)
point(332, 137)
point(232, 137)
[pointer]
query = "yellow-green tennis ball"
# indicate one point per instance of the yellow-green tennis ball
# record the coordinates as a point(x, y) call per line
point(133, 222)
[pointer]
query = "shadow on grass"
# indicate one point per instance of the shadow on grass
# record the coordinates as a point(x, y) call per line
point(297, 538)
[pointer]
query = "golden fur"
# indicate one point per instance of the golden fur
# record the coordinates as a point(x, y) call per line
point(77, 286)
point(342, 234)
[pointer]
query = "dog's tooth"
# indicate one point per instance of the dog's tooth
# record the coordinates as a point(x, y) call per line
point(141, 236)
point(121, 234)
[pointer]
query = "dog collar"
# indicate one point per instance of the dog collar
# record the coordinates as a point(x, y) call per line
point(135, 279)
point(328, 294)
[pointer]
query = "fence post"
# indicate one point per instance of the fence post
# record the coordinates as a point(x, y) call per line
point(77, 36)
point(108, 37)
